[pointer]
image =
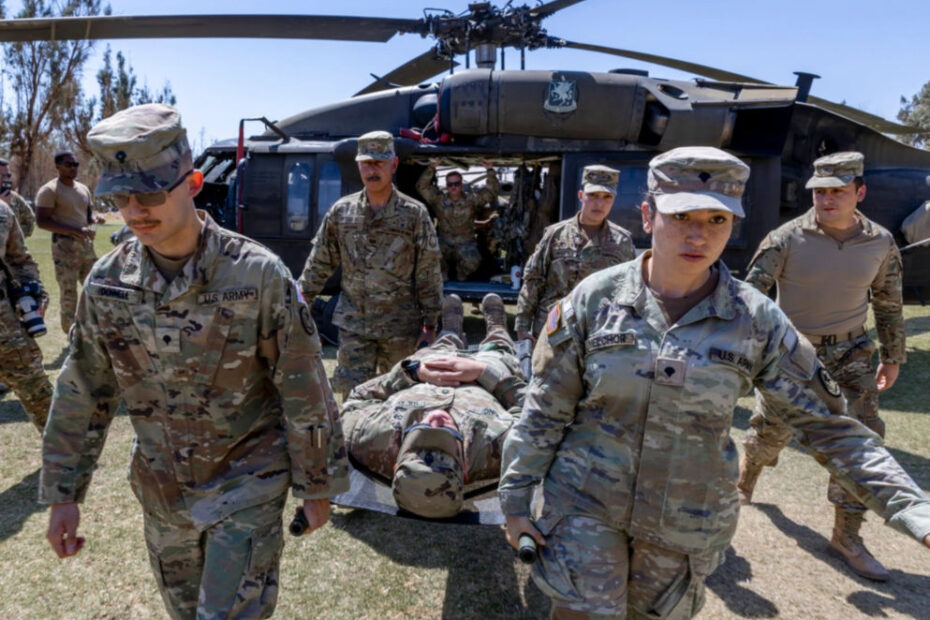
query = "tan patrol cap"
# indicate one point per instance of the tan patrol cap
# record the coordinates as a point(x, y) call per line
point(697, 177)
point(599, 179)
point(837, 169)
point(428, 476)
point(375, 145)
point(139, 149)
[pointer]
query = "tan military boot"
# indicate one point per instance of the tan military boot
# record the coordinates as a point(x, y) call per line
point(848, 544)
point(748, 475)
point(492, 307)
point(453, 316)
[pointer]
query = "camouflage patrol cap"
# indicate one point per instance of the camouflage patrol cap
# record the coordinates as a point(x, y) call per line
point(836, 169)
point(375, 145)
point(697, 177)
point(428, 477)
point(139, 149)
point(599, 179)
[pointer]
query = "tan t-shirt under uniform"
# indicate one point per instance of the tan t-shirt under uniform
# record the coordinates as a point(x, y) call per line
point(71, 205)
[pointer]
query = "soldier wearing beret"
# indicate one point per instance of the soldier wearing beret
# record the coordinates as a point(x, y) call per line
point(204, 336)
point(627, 420)
point(64, 206)
point(829, 264)
point(386, 245)
point(457, 216)
point(438, 419)
point(571, 250)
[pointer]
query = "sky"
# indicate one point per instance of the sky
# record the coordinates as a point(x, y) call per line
point(868, 57)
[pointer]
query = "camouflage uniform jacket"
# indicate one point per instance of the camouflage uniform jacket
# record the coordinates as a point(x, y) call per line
point(563, 258)
point(13, 250)
point(24, 213)
point(775, 254)
point(628, 420)
point(391, 281)
point(455, 220)
point(378, 411)
point(222, 378)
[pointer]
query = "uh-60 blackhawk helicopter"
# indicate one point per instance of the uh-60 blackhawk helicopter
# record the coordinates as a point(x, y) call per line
point(541, 127)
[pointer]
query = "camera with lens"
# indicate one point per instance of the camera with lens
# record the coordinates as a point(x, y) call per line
point(5, 186)
point(25, 299)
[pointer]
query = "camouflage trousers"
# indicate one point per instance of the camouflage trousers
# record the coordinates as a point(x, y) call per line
point(850, 363)
point(593, 570)
point(359, 359)
point(21, 367)
point(73, 259)
point(459, 255)
point(229, 570)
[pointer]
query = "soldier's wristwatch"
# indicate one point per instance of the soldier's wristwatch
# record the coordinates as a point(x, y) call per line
point(412, 369)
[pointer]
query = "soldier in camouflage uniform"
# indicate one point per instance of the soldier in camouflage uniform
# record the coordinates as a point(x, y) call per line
point(457, 213)
point(391, 283)
point(571, 250)
point(439, 417)
point(24, 214)
point(204, 336)
point(828, 264)
point(64, 206)
point(627, 418)
point(20, 357)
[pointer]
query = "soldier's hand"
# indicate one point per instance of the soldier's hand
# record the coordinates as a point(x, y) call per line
point(450, 371)
point(525, 335)
point(886, 375)
point(434, 162)
point(927, 540)
point(522, 525)
point(317, 513)
point(87, 233)
point(100, 219)
point(63, 521)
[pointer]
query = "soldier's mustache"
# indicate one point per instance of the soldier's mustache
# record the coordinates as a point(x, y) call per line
point(132, 223)
point(373, 177)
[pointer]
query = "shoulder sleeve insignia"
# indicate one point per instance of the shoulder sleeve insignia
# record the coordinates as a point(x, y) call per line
point(306, 320)
point(554, 320)
point(828, 382)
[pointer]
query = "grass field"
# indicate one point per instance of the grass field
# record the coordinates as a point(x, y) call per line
point(368, 565)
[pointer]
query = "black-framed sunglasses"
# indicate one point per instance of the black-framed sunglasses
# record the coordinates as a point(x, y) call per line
point(148, 199)
point(70, 164)
point(453, 184)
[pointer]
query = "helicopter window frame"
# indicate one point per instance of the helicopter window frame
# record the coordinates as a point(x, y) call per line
point(298, 197)
point(328, 187)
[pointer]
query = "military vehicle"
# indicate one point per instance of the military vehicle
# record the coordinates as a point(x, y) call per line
point(540, 127)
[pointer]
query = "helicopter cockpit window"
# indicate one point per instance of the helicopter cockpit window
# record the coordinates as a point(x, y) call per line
point(330, 188)
point(298, 197)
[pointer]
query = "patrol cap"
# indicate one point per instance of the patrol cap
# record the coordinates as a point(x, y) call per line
point(697, 177)
point(599, 179)
point(837, 169)
point(428, 477)
point(139, 149)
point(375, 145)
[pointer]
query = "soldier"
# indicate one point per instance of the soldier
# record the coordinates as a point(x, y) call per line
point(20, 357)
point(64, 206)
point(463, 406)
point(24, 214)
point(828, 264)
point(571, 250)
point(457, 213)
point(916, 226)
point(205, 337)
point(627, 419)
point(391, 283)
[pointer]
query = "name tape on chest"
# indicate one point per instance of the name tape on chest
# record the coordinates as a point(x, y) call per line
point(607, 341)
point(731, 358)
point(116, 293)
point(229, 296)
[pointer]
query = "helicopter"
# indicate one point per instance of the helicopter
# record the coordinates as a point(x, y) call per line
point(539, 127)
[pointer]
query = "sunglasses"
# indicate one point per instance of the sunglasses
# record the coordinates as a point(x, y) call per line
point(70, 164)
point(147, 199)
point(453, 184)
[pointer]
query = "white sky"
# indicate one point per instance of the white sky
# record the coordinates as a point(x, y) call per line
point(868, 53)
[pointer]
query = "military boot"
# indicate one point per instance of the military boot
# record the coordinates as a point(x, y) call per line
point(748, 475)
point(453, 316)
point(495, 317)
point(848, 544)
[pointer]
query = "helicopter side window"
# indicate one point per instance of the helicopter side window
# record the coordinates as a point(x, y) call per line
point(330, 189)
point(298, 197)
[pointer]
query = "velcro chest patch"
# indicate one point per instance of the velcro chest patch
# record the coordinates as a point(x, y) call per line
point(228, 296)
point(607, 341)
point(731, 358)
point(115, 293)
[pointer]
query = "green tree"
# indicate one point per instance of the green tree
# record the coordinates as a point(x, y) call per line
point(916, 113)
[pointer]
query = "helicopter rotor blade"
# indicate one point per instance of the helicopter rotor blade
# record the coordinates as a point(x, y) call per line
point(415, 71)
point(871, 120)
point(334, 27)
point(545, 10)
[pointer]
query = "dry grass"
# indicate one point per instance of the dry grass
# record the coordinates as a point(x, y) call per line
point(367, 565)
